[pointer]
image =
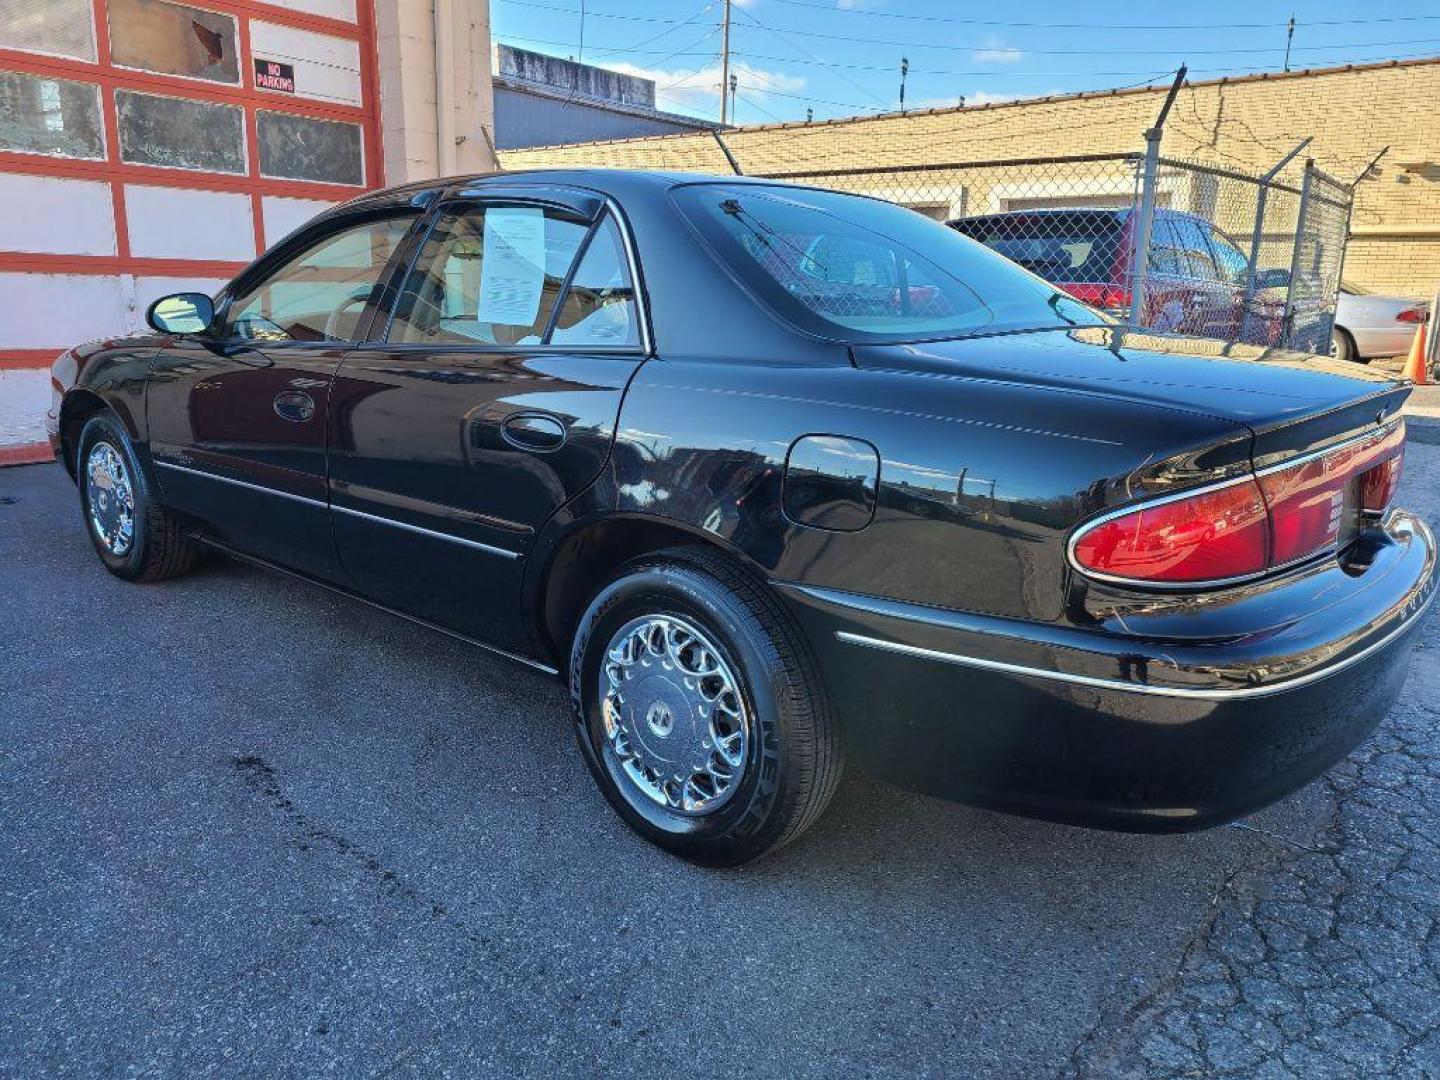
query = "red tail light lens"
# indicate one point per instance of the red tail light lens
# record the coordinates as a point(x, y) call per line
point(1250, 525)
point(1218, 534)
point(1113, 297)
point(1417, 314)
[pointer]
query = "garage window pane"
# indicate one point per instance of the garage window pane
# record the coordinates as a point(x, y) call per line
point(299, 148)
point(180, 134)
point(58, 27)
point(50, 116)
point(155, 35)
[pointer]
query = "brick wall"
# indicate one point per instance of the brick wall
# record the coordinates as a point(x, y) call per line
point(1244, 123)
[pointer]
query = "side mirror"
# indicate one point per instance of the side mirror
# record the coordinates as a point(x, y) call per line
point(1272, 279)
point(182, 313)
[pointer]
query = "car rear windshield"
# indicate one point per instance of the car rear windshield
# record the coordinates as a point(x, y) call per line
point(855, 269)
point(1064, 247)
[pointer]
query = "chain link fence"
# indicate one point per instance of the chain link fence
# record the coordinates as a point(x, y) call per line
point(1227, 255)
point(1163, 243)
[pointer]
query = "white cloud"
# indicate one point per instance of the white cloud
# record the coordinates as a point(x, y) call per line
point(697, 90)
point(997, 52)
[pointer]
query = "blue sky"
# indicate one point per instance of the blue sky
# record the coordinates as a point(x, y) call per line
point(842, 57)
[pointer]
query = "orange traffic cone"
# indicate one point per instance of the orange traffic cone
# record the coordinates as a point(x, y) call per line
point(1414, 369)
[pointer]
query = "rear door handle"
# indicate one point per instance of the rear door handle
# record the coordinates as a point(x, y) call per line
point(536, 432)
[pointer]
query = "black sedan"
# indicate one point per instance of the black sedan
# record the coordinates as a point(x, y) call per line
point(773, 476)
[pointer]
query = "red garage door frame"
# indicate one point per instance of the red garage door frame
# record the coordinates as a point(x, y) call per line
point(116, 173)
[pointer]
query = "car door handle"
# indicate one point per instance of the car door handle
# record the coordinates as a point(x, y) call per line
point(533, 431)
point(296, 406)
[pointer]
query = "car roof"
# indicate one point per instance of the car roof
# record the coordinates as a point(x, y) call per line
point(615, 182)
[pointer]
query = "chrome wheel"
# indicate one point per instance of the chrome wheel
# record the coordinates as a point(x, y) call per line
point(111, 498)
point(676, 725)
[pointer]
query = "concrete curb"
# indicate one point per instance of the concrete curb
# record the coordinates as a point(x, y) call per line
point(1423, 429)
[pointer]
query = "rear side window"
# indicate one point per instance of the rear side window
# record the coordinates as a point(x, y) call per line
point(1183, 249)
point(599, 304)
point(850, 268)
point(1062, 247)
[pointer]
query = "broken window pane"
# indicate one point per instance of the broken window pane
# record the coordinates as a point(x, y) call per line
point(156, 35)
point(60, 27)
point(299, 148)
point(179, 133)
point(50, 116)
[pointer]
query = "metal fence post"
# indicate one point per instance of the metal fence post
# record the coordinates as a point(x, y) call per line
point(1289, 317)
point(1258, 236)
point(1140, 247)
point(1140, 253)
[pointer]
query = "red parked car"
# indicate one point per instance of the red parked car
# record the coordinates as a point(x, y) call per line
point(1196, 278)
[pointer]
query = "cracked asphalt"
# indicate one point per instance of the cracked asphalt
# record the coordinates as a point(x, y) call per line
point(247, 827)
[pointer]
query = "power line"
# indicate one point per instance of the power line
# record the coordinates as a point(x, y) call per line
point(506, 38)
point(1072, 73)
point(794, 47)
point(679, 25)
point(686, 49)
point(751, 101)
point(910, 16)
point(1007, 23)
point(1084, 52)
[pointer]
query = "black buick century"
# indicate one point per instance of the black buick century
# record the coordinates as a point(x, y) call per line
point(775, 476)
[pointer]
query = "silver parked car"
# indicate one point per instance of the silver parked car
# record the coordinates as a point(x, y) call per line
point(1367, 325)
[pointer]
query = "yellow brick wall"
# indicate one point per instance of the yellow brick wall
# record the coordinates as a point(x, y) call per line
point(1245, 124)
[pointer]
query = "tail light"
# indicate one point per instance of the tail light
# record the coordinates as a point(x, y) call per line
point(1109, 297)
point(1245, 527)
point(1417, 314)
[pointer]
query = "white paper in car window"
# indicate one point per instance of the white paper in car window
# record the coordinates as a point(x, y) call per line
point(512, 272)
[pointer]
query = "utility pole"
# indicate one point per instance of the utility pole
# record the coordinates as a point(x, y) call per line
point(725, 64)
point(904, 70)
point(1289, 36)
point(734, 86)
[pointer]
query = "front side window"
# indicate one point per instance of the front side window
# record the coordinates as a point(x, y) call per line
point(851, 268)
point(320, 293)
point(488, 276)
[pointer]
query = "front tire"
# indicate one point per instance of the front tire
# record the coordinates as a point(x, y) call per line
point(134, 533)
point(700, 710)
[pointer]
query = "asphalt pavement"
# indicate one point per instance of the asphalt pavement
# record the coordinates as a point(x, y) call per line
point(251, 828)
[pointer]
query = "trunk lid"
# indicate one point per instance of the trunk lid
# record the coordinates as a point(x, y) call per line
point(1291, 400)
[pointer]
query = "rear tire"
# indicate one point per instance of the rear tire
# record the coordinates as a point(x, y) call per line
point(134, 533)
point(1342, 347)
point(700, 710)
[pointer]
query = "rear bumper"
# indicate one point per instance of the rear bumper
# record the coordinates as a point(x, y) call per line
point(1163, 724)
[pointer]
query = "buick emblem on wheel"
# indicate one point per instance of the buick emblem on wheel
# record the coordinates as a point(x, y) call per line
point(776, 478)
